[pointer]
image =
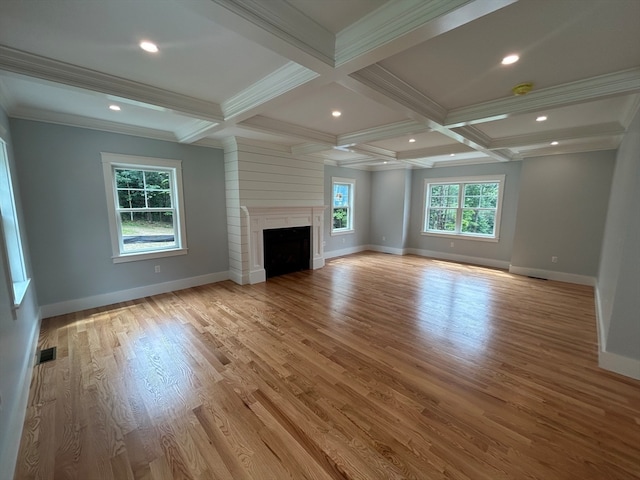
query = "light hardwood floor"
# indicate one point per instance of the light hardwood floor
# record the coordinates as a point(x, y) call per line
point(374, 367)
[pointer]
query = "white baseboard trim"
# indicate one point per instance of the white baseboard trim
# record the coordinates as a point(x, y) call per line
point(9, 455)
point(552, 275)
point(629, 367)
point(386, 249)
point(110, 298)
point(345, 251)
point(485, 262)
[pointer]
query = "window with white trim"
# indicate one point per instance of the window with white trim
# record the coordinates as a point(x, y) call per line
point(342, 194)
point(464, 207)
point(145, 203)
point(10, 228)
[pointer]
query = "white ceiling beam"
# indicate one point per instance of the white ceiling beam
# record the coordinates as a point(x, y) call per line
point(401, 24)
point(392, 130)
point(590, 89)
point(309, 148)
point(433, 152)
point(382, 80)
point(275, 25)
point(277, 83)
point(278, 127)
point(194, 131)
point(590, 131)
point(605, 143)
point(60, 72)
point(374, 152)
point(378, 91)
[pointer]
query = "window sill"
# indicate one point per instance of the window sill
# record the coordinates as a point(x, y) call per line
point(19, 292)
point(134, 257)
point(342, 232)
point(461, 237)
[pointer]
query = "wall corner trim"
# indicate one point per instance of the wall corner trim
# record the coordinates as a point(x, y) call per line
point(76, 305)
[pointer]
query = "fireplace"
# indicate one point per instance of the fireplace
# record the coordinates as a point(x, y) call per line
point(286, 250)
point(255, 221)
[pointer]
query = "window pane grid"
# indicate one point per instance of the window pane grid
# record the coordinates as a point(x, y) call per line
point(462, 208)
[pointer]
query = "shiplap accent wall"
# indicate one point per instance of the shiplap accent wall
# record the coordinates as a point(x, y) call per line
point(259, 174)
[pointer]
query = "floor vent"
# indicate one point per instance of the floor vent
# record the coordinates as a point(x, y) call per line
point(46, 355)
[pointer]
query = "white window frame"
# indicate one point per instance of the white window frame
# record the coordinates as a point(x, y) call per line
point(12, 249)
point(351, 182)
point(428, 182)
point(111, 161)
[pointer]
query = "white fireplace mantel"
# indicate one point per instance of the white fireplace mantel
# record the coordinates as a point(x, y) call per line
point(258, 219)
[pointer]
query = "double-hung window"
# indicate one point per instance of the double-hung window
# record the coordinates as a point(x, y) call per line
point(467, 207)
point(12, 248)
point(144, 199)
point(342, 194)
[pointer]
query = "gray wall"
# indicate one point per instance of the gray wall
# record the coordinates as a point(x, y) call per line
point(619, 274)
point(60, 174)
point(390, 207)
point(18, 331)
point(501, 250)
point(361, 209)
point(562, 211)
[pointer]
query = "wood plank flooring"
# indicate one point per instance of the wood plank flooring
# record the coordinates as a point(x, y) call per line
point(374, 367)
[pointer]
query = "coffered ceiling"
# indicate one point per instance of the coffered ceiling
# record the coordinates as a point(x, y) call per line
point(418, 82)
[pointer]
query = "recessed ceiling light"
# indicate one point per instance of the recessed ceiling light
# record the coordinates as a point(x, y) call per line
point(336, 113)
point(115, 108)
point(509, 59)
point(541, 118)
point(452, 154)
point(412, 140)
point(554, 143)
point(385, 163)
point(149, 46)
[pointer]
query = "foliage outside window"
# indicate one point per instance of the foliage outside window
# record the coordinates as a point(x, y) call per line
point(145, 204)
point(10, 229)
point(464, 207)
point(342, 190)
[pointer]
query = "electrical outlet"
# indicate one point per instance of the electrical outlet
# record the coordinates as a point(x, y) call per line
point(451, 244)
point(554, 259)
point(157, 269)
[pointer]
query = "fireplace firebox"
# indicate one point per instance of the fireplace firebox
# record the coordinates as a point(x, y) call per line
point(286, 250)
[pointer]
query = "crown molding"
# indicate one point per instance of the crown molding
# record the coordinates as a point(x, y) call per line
point(288, 23)
point(277, 83)
point(463, 162)
point(608, 143)
point(474, 135)
point(391, 130)
point(401, 24)
point(632, 109)
point(79, 121)
point(601, 130)
point(386, 83)
point(423, 153)
point(309, 148)
point(590, 89)
point(194, 131)
point(278, 127)
point(60, 72)
point(6, 101)
point(375, 152)
point(209, 143)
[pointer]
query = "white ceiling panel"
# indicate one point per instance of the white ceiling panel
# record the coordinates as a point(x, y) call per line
point(557, 41)
point(267, 72)
point(314, 111)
